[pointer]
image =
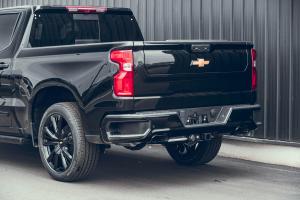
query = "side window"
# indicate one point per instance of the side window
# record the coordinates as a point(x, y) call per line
point(62, 28)
point(7, 24)
point(52, 29)
point(86, 28)
point(56, 29)
point(119, 27)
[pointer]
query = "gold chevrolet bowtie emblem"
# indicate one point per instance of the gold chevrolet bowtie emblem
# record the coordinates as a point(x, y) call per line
point(200, 62)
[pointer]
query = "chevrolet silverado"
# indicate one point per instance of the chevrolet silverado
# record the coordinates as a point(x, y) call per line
point(76, 79)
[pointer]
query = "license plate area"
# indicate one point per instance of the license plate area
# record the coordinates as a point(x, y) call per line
point(200, 116)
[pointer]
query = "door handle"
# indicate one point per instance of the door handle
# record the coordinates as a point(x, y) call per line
point(3, 65)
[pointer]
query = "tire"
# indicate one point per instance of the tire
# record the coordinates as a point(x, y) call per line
point(64, 151)
point(198, 153)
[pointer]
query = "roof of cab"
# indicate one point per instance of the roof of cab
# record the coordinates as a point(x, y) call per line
point(16, 7)
point(45, 7)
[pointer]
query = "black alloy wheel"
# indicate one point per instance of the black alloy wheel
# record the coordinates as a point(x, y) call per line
point(64, 150)
point(200, 152)
point(58, 145)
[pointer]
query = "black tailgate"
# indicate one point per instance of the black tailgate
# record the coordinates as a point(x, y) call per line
point(178, 67)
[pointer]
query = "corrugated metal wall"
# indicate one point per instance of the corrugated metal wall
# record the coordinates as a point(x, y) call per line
point(273, 25)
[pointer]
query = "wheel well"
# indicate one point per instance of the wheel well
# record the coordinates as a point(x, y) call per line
point(43, 100)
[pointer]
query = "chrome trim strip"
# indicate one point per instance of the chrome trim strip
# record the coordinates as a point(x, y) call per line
point(178, 139)
point(143, 115)
point(160, 130)
point(134, 136)
point(136, 98)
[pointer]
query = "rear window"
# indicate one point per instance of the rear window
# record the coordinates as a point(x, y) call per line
point(55, 29)
point(7, 24)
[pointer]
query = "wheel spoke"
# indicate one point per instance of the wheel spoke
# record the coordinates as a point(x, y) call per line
point(182, 149)
point(67, 155)
point(68, 140)
point(54, 124)
point(196, 146)
point(64, 133)
point(50, 157)
point(58, 142)
point(50, 143)
point(55, 162)
point(52, 135)
point(63, 160)
point(59, 124)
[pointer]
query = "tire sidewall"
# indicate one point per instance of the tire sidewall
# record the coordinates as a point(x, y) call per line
point(77, 140)
point(206, 148)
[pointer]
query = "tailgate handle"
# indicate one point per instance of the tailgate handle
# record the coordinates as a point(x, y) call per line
point(200, 48)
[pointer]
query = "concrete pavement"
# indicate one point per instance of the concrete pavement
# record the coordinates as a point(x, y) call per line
point(284, 155)
point(146, 174)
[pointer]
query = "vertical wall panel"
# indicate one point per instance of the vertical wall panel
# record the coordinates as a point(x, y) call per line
point(238, 20)
point(273, 26)
point(168, 19)
point(272, 69)
point(284, 72)
point(248, 20)
point(296, 70)
point(159, 15)
point(186, 19)
point(150, 19)
point(134, 5)
point(206, 19)
point(142, 17)
point(216, 18)
point(260, 35)
point(226, 19)
point(196, 19)
point(177, 16)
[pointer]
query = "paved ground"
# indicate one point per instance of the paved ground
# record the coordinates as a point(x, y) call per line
point(147, 174)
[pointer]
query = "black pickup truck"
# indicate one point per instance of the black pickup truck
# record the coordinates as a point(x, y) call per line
point(74, 80)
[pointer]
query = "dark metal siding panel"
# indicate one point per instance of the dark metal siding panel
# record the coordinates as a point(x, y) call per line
point(4, 4)
point(216, 18)
point(226, 19)
point(14, 2)
point(271, 56)
point(134, 5)
point(110, 3)
point(206, 19)
point(176, 15)
point(158, 16)
point(284, 72)
point(118, 3)
point(142, 16)
point(296, 70)
point(196, 19)
point(186, 19)
point(168, 19)
point(249, 13)
point(260, 36)
point(238, 20)
point(273, 25)
point(150, 19)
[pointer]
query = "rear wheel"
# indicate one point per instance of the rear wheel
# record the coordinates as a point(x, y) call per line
point(64, 151)
point(195, 153)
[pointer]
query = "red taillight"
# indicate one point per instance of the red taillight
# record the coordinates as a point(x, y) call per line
point(86, 9)
point(123, 80)
point(254, 72)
